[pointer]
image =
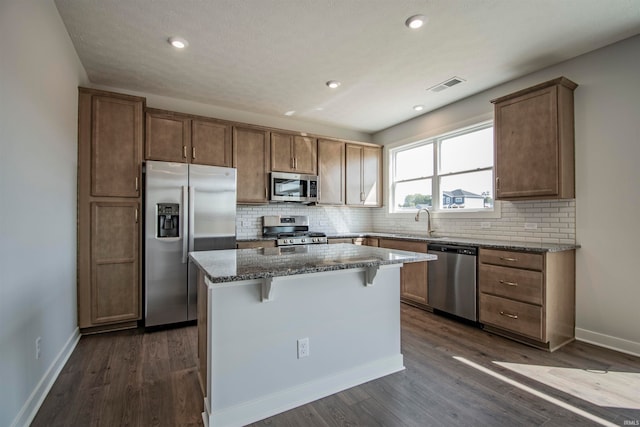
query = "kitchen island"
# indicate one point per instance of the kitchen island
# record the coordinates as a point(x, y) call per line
point(281, 327)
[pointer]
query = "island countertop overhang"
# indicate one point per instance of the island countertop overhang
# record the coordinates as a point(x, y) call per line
point(233, 265)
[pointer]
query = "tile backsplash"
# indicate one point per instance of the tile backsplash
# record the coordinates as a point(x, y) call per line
point(327, 219)
point(532, 221)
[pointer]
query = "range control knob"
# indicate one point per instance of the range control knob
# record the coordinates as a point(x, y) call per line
point(304, 240)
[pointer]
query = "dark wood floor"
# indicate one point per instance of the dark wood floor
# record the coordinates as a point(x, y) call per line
point(131, 378)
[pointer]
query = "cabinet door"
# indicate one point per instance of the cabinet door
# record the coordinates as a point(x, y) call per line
point(331, 155)
point(363, 168)
point(282, 159)
point(526, 138)
point(116, 147)
point(305, 154)
point(115, 285)
point(371, 180)
point(354, 194)
point(251, 158)
point(211, 143)
point(168, 137)
point(413, 275)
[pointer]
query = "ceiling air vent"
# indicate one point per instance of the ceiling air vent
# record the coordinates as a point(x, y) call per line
point(446, 84)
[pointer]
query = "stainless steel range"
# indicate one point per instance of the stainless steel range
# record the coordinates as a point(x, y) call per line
point(291, 230)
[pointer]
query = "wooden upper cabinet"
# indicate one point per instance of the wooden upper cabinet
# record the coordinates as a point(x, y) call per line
point(168, 137)
point(116, 146)
point(331, 172)
point(211, 143)
point(363, 172)
point(251, 154)
point(293, 153)
point(534, 142)
point(175, 137)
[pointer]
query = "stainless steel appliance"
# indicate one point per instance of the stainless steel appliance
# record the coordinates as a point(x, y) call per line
point(291, 230)
point(187, 208)
point(452, 280)
point(291, 187)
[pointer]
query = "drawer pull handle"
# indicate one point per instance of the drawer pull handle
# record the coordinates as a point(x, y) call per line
point(512, 316)
point(504, 282)
point(504, 258)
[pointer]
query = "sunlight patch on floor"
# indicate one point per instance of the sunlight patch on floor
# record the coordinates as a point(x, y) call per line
point(602, 388)
point(536, 393)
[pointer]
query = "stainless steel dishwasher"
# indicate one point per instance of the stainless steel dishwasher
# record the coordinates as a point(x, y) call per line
point(452, 280)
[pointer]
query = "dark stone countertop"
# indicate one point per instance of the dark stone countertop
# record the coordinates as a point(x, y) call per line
point(246, 264)
point(484, 243)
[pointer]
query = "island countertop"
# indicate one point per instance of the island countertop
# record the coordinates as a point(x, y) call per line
point(231, 265)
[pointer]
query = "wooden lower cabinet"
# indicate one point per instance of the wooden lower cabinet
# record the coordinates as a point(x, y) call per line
point(333, 240)
point(413, 275)
point(256, 244)
point(115, 290)
point(529, 297)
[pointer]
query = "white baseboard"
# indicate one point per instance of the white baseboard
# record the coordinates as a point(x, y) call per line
point(37, 396)
point(608, 341)
point(284, 400)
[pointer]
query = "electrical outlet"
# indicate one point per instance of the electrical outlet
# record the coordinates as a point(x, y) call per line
point(485, 225)
point(38, 340)
point(303, 347)
point(530, 226)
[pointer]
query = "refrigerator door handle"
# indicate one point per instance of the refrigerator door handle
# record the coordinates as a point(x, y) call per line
point(185, 242)
point(192, 224)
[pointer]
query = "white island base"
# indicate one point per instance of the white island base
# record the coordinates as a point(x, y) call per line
point(250, 344)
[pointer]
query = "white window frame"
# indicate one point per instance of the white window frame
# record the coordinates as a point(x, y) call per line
point(437, 211)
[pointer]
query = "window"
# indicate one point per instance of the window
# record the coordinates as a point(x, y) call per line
point(456, 167)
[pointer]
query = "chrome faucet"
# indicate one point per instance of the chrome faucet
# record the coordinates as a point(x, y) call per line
point(429, 230)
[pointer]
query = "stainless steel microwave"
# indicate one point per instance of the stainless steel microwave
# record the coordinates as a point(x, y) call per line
point(293, 187)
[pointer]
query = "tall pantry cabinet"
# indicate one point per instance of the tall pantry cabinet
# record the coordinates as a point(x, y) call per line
point(110, 144)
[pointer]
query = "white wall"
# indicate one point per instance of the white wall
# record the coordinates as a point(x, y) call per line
point(39, 75)
point(207, 110)
point(607, 107)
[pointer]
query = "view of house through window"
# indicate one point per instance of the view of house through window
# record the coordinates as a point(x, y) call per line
point(452, 171)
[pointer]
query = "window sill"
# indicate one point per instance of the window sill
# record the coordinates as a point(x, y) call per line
point(496, 212)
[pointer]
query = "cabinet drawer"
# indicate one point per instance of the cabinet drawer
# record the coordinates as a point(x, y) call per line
point(526, 260)
point(256, 244)
point(514, 283)
point(518, 317)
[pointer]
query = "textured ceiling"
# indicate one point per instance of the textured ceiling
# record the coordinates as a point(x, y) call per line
point(273, 56)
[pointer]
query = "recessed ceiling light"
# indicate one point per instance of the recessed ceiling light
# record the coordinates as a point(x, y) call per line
point(415, 21)
point(418, 107)
point(290, 113)
point(178, 42)
point(333, 84)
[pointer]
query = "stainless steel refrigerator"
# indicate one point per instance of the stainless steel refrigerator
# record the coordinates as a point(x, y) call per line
point(187, 208)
